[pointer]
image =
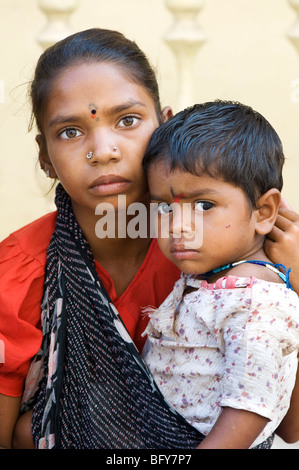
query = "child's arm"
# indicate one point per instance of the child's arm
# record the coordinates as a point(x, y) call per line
point(9, 412)
point(234, 429)
point(288, 429)
point(282, 243)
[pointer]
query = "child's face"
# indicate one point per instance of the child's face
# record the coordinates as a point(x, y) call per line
point(219, 228)
point(95, 108)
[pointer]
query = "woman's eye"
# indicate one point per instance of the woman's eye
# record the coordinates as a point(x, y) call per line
point(128, 121)
point(164, 208)
point(70, 133)
point(203, 205)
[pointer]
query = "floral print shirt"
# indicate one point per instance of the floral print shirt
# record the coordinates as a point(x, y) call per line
point(232, 343)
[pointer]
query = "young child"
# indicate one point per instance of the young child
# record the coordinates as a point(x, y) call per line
point(223, 346)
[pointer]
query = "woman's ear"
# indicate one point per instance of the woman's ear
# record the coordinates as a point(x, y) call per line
point(266, 211)
point(167, 113)
point(43, 156)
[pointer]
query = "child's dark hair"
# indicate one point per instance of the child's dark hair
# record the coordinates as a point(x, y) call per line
point(223, 139)
point(90, 46)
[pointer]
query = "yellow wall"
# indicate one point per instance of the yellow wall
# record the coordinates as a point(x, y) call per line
point(246, 57)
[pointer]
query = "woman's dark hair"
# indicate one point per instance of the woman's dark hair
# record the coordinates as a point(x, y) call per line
point(90, 46)
point(223, 139)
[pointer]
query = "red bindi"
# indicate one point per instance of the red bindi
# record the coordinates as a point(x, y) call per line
point(93, 113)
point(178, 197)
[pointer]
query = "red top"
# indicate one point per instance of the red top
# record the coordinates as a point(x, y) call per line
point(22, 271)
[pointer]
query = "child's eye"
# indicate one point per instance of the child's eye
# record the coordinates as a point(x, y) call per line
point(164, 208)
point(70, 133)
point(203, 206)
point(128, 121)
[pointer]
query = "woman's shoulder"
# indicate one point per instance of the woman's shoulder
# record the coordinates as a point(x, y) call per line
point(22, 272)
point(24, 251)
point(32, 239)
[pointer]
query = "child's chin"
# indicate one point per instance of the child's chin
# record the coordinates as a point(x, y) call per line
point(188, 267)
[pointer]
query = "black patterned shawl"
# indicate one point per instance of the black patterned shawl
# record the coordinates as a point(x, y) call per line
point(88, 385)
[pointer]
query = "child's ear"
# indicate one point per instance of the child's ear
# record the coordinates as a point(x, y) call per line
point(43, 156)
point(266, 212)
point(167, 113)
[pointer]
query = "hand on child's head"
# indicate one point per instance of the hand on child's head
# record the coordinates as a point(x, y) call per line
point(284, 204)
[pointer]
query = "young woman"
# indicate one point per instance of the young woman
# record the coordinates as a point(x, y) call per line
point(95, 102)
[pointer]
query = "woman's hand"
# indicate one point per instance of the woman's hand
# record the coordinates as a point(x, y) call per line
point(22, 437)
point(282, 243)
point(9, 412)
point(282, 246)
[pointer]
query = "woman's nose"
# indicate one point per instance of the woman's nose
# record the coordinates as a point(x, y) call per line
point(104, 149)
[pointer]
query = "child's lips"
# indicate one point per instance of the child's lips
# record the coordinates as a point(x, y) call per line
point(182, 251)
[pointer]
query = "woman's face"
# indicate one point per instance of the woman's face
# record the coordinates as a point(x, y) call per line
point(97, 108)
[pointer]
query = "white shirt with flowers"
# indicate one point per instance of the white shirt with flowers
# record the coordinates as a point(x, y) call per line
point(232, 343)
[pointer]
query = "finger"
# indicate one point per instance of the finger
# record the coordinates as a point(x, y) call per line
point(270, 248)
point(275, 235)
point(283, 223)
point(289, 214)
point(284, 204)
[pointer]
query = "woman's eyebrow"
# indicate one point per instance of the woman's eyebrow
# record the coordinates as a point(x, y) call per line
point(123, 107)
point(61, 119)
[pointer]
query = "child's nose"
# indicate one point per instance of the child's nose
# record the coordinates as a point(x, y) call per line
point(181, 219)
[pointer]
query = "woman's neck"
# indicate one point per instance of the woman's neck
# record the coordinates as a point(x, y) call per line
point(121, 256)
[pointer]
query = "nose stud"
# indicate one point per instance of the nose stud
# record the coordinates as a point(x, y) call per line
point(89, 156)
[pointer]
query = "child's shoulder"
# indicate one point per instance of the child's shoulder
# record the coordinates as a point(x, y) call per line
point(255, 270)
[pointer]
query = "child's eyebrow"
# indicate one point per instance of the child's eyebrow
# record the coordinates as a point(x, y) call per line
point(186, 195)
point(193, 194)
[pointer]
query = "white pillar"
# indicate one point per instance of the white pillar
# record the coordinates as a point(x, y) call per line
point(185, 38)
point(58, 13)
point(293, 33)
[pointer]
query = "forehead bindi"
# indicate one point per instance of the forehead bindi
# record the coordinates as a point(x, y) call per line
point(93, 110)
point(99, 89)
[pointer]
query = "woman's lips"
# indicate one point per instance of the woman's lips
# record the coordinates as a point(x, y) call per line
point(109, 184)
